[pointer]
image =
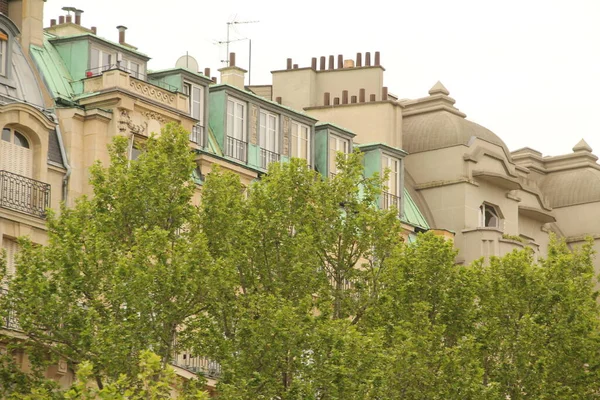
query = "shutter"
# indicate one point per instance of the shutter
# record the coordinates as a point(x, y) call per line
point(11, 247)
point(16, 159)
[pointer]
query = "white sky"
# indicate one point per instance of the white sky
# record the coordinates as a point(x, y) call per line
point(529, 70)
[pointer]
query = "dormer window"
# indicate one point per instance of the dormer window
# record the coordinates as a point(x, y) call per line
point(301, 141)
point(3, 52)
point(336, 145)
point(488, 216)
point(268, 138)
point(99, 61)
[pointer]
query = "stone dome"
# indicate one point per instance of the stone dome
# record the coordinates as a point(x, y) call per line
point(571, 187)
point(433, 123)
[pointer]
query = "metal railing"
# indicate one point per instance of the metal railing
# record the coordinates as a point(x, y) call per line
point(165, 85)
point(197, 135)
point(9, 319)
point(390, 201)
point(236, 148)
point(197, 364)
point(25, 195)
point(267, 157)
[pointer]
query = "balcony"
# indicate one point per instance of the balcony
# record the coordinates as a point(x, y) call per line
point(390, 201)
point(24, 195)
point(237, 149)
point(198, 365)
point(9, 320)
point(267, 157)
point(110, 77)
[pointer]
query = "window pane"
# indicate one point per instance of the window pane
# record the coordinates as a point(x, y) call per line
point(196, 102)
point(239, 128)
point(6, 135)
point(94, 59)
point(106, 60)
point(20, 140)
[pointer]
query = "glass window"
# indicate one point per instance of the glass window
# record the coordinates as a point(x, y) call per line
point(6, 135)
point(301, 141)
point(196, 103)
point(20, 140)
point(236, 117)
point(14, 137)
point(393, 181)
point(3, 52)
point(336, 145)
point(488, 216)
point(269, 131)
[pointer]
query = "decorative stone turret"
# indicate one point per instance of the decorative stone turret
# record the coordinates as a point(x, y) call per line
point(582, 146)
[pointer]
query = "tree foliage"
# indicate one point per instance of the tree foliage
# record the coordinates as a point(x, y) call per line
point(300, 287)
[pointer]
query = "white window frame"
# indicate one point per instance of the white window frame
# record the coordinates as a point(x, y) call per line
point(342, 145)
point(101, 65)
point(268, 131)
point(395, 174)
point(483, 209)
point(297, 140)
point(231, 130)
point(3, 55)
point(197, 133)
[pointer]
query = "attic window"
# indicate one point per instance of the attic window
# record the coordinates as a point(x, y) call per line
point(488, 216)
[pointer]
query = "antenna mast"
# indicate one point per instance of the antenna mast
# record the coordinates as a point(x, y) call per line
point(234, 22)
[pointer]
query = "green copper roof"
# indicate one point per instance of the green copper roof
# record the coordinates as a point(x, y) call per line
point(100, 39)
point(412, 215)
point(53, 70)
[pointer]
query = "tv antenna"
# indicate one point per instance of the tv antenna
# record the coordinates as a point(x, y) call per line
point(234, 22)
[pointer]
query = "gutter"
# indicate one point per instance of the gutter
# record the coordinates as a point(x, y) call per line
point(63, 154)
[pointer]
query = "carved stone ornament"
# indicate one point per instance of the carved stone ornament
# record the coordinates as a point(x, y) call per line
point(287, 128)
point(154, 115)
point(150, 91)
point(253, 124)
point(126, 124)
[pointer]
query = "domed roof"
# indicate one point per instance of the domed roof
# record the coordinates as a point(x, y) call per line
point(573, 186)
point(433, 123)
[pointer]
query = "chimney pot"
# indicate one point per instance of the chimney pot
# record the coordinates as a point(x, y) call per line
point(214, 79)
point(344, 97)
point(94, 30)
point(367, 59)
point(313, 63)
point(359, 59)
point(336, 101)
point(122, 30)
point(69, 19)
point(377, 59)
point(295, 66)
point(373, 97)
point(206, 71)
point(78, 16)
point(61, 19)
point(52, 22)
point(331, 62)
point(340, 61)
point(326, 98)
point(349, 64)
point(353, 99)
point(288, 65)
point(384, 93)
point(278, 100)
point(232, 59)
point(322, 63)
point(361, 95)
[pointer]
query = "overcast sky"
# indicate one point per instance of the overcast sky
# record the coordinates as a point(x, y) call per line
point(529, 70)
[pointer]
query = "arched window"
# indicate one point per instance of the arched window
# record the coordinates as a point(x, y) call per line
point(15, 137)
point(488, 216)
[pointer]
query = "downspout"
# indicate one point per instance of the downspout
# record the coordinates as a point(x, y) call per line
point(65, 159)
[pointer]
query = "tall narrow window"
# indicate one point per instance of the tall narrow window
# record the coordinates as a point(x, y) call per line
point(3, 53)
point(99, 61)
point(268, 138)
point(301, 141)
point(336, 145)
point(196, 103)
point(16, 155)
point(236, 130)
point(11, 247)
point(391, 194)
point(488, 216)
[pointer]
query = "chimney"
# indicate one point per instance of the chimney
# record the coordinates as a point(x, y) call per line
point(377, 59)
point(206, 71)
point(361, 95)
point(313, 63)
point(288, 64)
point(336, 101)
point(278, 100)
point(331, 63)
point(349, 64)
point(78, 16)
point(344, 97)
point(214, 79)
point(373, 97)
point(233, 75)
point(122, 30)
point(322, 63)
point(340, 61)
point(384, 93)
point(69, 19)
point(61, 19)
point(4, 7)
point(353, 99)
point(359, 59)
point(367, 59)
point(326, 98)
point(295, 66)
point(94, 30)
point(52, 22)
point(32, 23)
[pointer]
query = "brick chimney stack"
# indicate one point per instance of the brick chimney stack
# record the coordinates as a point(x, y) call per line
point(122, 30)
point(78, 16)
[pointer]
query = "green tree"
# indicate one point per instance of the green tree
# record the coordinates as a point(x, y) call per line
point(122, 270)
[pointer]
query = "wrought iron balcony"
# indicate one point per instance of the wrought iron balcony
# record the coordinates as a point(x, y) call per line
point(390, 201)
point(236, 148)
point(25, 195)
point(267, 157)
point(197, 364)
point(9, 319)
point(136, 74)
